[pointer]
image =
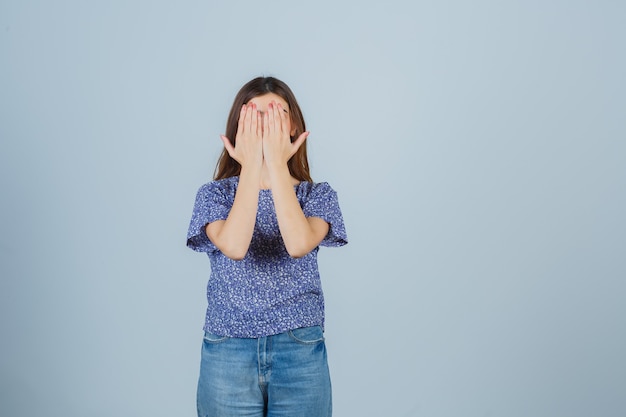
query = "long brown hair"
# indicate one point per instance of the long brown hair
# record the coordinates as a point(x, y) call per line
point(298, 164)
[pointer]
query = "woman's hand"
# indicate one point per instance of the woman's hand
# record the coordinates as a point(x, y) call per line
point(277, 145)
point(248, 148)
point(233, 235)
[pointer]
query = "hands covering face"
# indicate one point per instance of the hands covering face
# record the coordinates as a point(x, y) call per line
point(263, 137)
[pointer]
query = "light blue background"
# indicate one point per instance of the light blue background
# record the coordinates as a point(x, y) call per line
point(477, 149)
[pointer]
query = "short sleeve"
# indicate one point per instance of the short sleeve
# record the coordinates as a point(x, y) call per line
point(322, 202)
point(212, 204)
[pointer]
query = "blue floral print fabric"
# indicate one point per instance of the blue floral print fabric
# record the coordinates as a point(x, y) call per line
point(267, 292)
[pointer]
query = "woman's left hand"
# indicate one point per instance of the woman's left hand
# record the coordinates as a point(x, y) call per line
point(277, 146)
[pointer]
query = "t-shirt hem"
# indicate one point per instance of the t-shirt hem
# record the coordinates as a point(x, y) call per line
point(263, 331)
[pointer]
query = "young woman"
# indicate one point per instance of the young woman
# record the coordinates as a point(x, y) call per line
point(261, 222)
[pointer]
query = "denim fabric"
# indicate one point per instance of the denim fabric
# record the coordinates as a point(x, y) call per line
point(284, 375)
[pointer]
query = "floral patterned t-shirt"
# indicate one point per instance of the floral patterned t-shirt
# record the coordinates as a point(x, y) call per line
point(267, 292)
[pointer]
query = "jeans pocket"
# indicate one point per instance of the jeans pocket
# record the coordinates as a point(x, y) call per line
point(214, 338)
point(307, 335)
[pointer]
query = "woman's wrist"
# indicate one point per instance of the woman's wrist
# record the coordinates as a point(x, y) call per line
point(278, 171)
point(251, 173)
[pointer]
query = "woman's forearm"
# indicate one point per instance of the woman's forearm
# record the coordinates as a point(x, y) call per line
point(300, 234)
point(233, 235)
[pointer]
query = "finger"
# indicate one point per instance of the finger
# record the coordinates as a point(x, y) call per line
point(277, 120)
point(242, 115)
point(266, 124)
point(270, 117)
point(229, 146)
point(259, 121)
point(298, 142)
point(284, 118)
point(254, 118)
point(247, 119)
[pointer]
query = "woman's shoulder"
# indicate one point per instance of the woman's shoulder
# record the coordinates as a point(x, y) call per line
point(311, 189)
point(223, 184)
point(316, 186)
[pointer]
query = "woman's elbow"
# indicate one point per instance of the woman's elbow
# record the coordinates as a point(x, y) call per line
point(236, 254)
point(232, 250)
point(235, 257)
point(296, 255)
point(299, 251)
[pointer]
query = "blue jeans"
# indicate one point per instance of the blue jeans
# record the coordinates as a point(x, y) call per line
point(283, 375)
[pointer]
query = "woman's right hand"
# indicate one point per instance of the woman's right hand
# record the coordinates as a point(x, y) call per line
point(248, 148)
point(233, 235)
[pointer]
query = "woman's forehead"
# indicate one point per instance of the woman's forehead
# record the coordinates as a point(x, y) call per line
point(265, 99)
